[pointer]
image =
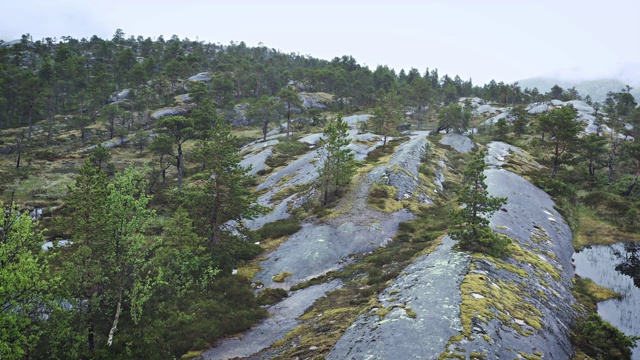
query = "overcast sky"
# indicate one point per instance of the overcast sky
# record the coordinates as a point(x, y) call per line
point(506, 40)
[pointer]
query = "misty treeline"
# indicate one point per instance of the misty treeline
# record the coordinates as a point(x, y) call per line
point(48, 77)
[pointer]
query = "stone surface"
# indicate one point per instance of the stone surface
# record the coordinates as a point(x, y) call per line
point(168, 112)
point(119, 96)
point(486, 109)
point(282, 320)
point(494, 119)
point(537, 108)
point(402, 170)
point(256, 161)
point(203, 76)
point(318, 249)
point(315, 100)
point(529, 211)
point(459, 142)
point(430, 287)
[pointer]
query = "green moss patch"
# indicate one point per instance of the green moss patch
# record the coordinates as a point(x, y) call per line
point(280, 278)
point(382, 197)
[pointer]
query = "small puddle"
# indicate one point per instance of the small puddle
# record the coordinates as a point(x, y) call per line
point(618, 268)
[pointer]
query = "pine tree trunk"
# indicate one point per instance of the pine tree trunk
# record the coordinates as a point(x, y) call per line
point(635, 180)
point(179, 163)
point(556, 160)
point(265, 129)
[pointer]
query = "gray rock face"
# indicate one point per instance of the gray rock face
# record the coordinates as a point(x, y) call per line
point(318, 249)
point(460, 143)
point(430, 288)
point(119, 96)
point(168, 112)
point(256, 161)
point(299, 172)
point(537, 108)
point(184, 98)
point(402, 170)
point(530, 219)
point(354, 120)
point(581, 106)
point(311, 139)
point(313, 101)
point(475, 101)
point(203, 76)
point(486, 109)
point(282, 320)
point(238, 117)
point(494, 119)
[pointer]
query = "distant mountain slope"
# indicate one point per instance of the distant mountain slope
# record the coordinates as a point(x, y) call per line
point(597, 89)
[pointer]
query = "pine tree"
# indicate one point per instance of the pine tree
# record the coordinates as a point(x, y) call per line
point(222, 192)
point(387, 115)
point(453, 117)
point(469, 224)
point(593, 149)
point(179, 129)
point(338, 167)
point(563, 129)
point(291, 99)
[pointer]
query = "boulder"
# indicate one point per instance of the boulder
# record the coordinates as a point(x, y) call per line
point(203, 76)
point(168, 112)
point(460, 143)
point(318, 100)
point(119, 96)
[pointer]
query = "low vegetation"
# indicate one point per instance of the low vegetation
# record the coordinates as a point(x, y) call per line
point(146, 184)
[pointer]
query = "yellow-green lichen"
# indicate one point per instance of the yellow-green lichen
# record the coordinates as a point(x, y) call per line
point(529, 357)
point(279, 278)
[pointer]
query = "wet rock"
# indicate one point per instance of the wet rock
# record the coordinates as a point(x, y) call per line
point(423, 314)
point(498, 151)
point(282, 320)
point(474, 101)
point(203, 76)
point(256, 161)
point(537, 108)
point(311, 139)
point(318, 249)
point(402, 170)
point(119, 96)
point(460, 143)
point(494, 119)
point(168, 112)
point(315, 100)
point(532, 222)
point(354, 120)
point(184, 98)
point(440, 178)
point(486, 109)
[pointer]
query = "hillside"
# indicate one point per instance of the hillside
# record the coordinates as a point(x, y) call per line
point(183, 199)
point(596, 89)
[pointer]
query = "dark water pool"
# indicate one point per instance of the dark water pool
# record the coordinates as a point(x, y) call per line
point(616, 267)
